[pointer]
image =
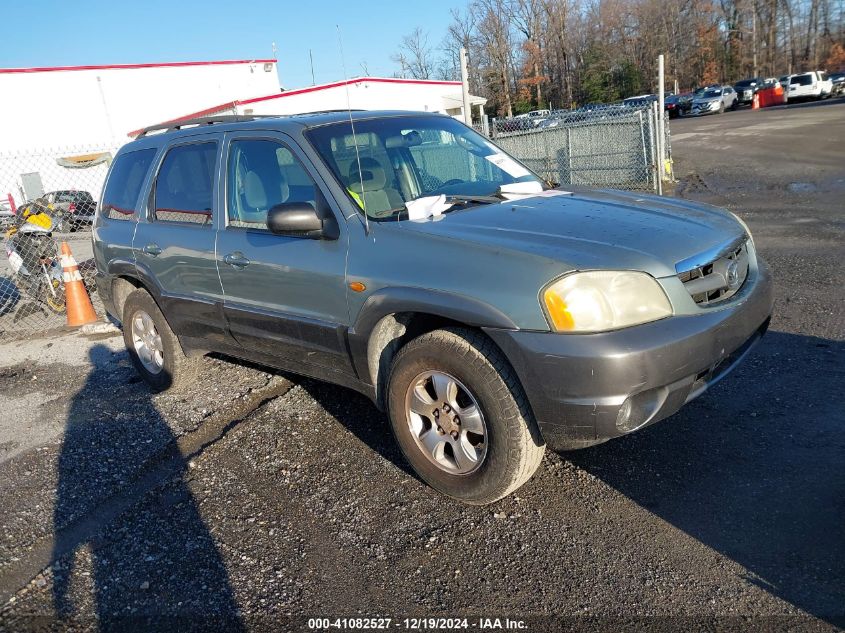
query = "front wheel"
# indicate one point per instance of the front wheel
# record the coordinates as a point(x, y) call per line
point(461, 417)
point(722, 108)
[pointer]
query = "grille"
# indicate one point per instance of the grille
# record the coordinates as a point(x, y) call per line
point(719, 279)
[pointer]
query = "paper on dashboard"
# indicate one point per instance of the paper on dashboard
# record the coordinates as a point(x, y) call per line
point(430, 206)
point(531, 189)
point(508, 165)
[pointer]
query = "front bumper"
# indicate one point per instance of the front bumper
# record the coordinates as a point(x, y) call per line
point(578, 383)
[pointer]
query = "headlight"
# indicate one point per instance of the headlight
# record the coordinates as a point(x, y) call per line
point(601, 300)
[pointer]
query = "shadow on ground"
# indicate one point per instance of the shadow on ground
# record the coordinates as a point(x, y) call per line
point(162, 562)
point(754, 469)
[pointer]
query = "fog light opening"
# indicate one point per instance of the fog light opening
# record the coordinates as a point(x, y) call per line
point(639, 409)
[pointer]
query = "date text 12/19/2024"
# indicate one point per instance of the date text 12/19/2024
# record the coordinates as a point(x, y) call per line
point(415, 624)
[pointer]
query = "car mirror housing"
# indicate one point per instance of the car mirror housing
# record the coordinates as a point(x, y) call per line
point(300, 219)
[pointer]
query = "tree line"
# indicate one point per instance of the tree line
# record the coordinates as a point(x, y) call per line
point(527, 54)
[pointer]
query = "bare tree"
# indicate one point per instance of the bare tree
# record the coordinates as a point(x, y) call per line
point(415, 55)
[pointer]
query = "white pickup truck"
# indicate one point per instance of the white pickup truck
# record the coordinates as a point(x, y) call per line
point(811, 85)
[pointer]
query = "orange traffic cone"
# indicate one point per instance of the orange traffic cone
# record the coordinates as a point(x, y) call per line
point(755, 102)
point(79, 308)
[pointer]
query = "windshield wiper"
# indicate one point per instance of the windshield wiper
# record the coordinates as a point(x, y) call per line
point(464, 199)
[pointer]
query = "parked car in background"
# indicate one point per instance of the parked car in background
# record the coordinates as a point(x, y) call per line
point(714, 100)
point(678, 105)
point(535, 116)
point(639, 100)
point(745, 90)
point(342, 246)
point(811, 85)
point(73, 209)
point(837, 81)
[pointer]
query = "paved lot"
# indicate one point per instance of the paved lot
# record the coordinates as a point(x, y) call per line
point(257, 499)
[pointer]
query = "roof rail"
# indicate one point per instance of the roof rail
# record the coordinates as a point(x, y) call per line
point(209, 120)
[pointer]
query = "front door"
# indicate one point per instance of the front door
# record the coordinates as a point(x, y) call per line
point(285, 297)
point(174, 243)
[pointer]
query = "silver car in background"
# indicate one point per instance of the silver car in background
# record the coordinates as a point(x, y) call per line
point(714, 100)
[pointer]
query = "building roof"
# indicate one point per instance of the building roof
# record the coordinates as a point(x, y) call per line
point(48, 69)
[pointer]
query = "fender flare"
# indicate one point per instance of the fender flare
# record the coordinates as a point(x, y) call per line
point(392, 300)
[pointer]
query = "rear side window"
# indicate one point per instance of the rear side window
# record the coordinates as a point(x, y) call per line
point(802, 80)
point(183, 190)
point(127, 176)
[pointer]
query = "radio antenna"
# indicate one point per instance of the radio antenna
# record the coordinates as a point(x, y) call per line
point(352, 125)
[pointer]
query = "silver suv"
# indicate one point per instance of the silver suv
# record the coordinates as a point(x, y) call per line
point(403, 255)
point(715, 100)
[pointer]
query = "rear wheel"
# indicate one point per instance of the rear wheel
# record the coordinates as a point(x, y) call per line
point(461, 418)
point(153, 347)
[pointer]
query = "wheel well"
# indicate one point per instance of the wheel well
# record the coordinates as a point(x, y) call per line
point(389, 335)
point(121, 288)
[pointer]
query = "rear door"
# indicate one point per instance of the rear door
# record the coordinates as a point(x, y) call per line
point(284, 296)
point(174, 241)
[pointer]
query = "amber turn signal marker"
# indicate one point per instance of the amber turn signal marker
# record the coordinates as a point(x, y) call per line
point(357, 286)
point(559, 312)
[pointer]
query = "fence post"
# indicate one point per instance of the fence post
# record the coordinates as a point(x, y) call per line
point(485, 125)
point(655, 151)
point(642, 136)
point(660, 97)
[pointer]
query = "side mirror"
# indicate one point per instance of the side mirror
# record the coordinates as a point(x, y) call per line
point(300, 219)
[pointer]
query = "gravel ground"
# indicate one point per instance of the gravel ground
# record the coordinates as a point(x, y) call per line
point(256, 500)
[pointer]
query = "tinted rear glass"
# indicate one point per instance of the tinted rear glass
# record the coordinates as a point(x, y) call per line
point(183, 191)
point(124, 184)
point(802, 80)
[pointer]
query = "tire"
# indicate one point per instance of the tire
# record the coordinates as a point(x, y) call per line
point(722, 107)
point(510, 448)
point(174, 369)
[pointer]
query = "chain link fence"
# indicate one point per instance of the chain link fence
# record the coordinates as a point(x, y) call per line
point(607, 145)
point(47, 196)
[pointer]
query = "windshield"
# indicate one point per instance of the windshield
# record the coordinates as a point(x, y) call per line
point(745, 83)
point(407, 158)
point(712, 92)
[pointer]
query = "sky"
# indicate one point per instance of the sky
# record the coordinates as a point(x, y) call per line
point(94, 32)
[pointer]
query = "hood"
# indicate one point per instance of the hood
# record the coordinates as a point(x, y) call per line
point(595, 230)
point(703, 100)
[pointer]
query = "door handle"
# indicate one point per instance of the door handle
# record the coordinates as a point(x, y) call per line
point(236, 260)
point(153, 250)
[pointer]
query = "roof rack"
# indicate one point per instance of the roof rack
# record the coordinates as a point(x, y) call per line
point(209, 120)
point(230, 118)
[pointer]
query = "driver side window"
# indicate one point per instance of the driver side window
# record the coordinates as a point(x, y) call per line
point(260, 175)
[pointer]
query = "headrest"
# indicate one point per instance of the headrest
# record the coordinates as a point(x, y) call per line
point(372, 175)
point(254, 193)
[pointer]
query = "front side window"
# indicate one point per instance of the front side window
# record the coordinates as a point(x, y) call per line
point(260, 175)
point(390, 161)
point(184, 187)
point(124, 184)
